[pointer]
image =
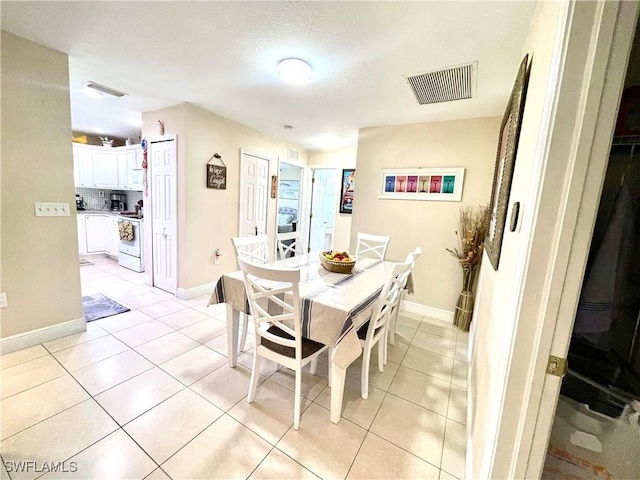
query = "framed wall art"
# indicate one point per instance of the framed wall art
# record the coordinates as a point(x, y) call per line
point(347, 190)
point(440, 184)
point(505, 160)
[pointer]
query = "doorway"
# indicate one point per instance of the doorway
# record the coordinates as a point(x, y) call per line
point(323, 209)
point(290, 218)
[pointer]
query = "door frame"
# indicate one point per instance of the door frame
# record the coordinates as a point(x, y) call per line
point(148, 228)
point(547, 298)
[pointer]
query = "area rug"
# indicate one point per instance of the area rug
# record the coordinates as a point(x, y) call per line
point(98, 306)
point(84, 263)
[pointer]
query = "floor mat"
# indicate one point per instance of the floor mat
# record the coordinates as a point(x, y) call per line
point(84, 263)
point(98, 306)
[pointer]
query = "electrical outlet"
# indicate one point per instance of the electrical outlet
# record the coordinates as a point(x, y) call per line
point(101, 194)
point(3, 300)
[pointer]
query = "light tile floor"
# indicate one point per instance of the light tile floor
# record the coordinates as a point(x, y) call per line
point(149, 394)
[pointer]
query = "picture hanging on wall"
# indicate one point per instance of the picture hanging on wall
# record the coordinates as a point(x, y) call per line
point(348, 187)
point(440, 184)
point(505, 160)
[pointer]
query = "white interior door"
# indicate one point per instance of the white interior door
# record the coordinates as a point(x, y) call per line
point(254, 194)
point(323, 209)
point(163, 195)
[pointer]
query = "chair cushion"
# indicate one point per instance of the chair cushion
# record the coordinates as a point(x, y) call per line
point(309, 347)
point(362, 331)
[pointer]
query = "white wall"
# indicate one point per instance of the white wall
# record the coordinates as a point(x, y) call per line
point(207, 218)
point(429, 224)
point(40, 270)
point(493, 326)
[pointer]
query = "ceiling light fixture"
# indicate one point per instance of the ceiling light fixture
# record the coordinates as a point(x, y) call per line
point(294, 71)
point(102, 89)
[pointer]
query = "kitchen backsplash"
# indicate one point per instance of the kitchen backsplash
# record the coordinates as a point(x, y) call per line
point(94, 201)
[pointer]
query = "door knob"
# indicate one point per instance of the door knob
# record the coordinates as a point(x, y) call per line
point(164, 233)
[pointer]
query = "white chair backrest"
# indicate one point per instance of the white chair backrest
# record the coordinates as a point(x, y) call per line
point(389, 296)
point(274, 298)
point(292, 247)
point(413, 256)
point(372, 245)
point(252, 248)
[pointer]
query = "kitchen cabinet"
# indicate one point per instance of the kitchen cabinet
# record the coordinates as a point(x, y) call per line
point(114, 236)
point(97, 228)
point(105, 170)
point(115, 168)
point(83, 166)
point(82, 235)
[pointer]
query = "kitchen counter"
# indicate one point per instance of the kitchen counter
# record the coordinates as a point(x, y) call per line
point(109, 213)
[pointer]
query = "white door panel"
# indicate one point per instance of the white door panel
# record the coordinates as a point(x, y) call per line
point(164, 214)
point(254, 195)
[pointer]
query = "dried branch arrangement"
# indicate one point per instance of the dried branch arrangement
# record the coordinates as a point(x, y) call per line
point(473, 225)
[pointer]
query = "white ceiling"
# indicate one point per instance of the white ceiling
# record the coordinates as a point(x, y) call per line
point(222, 56)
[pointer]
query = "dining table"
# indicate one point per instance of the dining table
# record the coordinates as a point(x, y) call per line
point(333, 307)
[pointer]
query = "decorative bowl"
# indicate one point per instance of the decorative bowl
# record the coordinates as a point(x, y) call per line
point(336, 266)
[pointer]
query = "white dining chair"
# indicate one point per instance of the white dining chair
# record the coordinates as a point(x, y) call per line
point(288, 244)
point(253, 249)
point(372, 246)
point(375, 330)
point(393, 323)
point(274, 300)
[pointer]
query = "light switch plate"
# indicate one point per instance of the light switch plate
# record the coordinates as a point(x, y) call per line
point(3, 300)
point(50, 209)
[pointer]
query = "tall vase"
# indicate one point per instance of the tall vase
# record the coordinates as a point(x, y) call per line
point(464, 311)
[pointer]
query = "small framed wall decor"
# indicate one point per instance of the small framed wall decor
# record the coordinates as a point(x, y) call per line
point(216, 174)
point(439, 184)
point(347, 190)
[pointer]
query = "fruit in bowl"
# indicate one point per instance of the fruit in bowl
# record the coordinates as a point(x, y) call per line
point(336, 261)
point(337, 256)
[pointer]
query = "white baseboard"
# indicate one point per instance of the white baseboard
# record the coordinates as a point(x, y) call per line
point(41, 335)
point(427, 311)
point(186, 294)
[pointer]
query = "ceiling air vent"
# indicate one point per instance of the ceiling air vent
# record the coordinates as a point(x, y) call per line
point(293, 154)
point(445, 85)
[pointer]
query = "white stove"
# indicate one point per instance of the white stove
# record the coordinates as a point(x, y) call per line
point(131, 253)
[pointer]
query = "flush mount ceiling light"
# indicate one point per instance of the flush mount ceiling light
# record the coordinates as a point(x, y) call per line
point(294, 70)
point(96, 87)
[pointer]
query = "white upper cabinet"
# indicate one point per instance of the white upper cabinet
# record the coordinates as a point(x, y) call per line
point(105, 170)
point(83, 166)
point(117, 168)
point(123, 171)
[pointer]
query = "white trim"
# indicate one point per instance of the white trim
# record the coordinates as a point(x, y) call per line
point(426, 311)
point(186, 294)
point(41, 335)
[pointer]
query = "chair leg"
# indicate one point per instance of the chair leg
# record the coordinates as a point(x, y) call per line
point(297, 401)
point(314, 365)
point(364, 388)
point(393, 325)
point(245, 328)
point(382, 349)
point(255, 374)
